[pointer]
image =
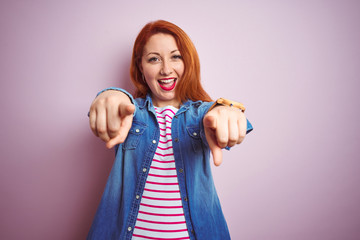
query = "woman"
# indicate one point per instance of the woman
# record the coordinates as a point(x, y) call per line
point(160, 186)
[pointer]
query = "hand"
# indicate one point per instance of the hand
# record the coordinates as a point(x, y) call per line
point(224, 126)
point(111, 116)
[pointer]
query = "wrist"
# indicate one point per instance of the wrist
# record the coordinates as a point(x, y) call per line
point(227, 102)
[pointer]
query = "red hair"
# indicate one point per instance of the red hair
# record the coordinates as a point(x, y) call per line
point(189, 87)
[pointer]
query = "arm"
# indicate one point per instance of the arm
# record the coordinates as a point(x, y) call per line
point(111, 115)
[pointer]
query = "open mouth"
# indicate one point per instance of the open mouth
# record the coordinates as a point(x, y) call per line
point(167, 84)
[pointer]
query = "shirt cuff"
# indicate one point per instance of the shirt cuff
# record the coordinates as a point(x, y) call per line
point(249, 127)
point(118, 89)
point(121, 90)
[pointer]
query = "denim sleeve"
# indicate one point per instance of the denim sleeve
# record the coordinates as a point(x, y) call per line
point(249, 126)
point(203, 110)
point(121, 90)
point(118, 89)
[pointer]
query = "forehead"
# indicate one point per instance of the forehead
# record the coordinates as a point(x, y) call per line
point(160, 43)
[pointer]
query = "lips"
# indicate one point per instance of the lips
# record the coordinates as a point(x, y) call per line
point(167, 84)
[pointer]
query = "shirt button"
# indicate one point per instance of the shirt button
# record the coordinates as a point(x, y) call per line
point(144, 169)
point(195, 134)
point(137, 196)
point(176, 116)
point(192, 231)
point(181, 170)
point(185, 199)
point(176, 139)
point(129, 229)
point(153, 141)
point(137, 130)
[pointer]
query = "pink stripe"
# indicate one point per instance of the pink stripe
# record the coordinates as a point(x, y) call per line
point(167, 134)
point(159, 230)
point(159, 183)
point(154, 206)
point(165, 142)
point(171, 161)
point(164, 122)
point(164, 155)
point(160, 214)
point(143, 220)
point(162, 191)
point(160, 168)
point(166, 115)
point(167, 109)
point(165, 148)
point(164, 176)
point(164, 129)
point(157, 238)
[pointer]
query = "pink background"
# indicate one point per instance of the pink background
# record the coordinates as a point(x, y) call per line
point(294, 64)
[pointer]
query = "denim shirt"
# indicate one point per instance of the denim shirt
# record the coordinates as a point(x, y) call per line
point(118, 209)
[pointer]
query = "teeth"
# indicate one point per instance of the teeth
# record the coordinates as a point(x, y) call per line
point(166, 81)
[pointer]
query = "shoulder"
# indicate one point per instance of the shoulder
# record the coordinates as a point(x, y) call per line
point(198, 107)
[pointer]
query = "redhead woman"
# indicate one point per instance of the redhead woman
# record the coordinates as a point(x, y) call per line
point(160, 186)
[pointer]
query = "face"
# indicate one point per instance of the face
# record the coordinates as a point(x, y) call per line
point(162, 67)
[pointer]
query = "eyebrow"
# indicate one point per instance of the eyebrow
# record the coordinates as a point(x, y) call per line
point(159, 54)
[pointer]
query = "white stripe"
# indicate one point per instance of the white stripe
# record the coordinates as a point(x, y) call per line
point(162, 158)
point(162, 226)
point(163, 203)
point(161, 195)
point(163, 164)
point(161, 218)
point(167, 151)
point(162, 187)
point(162, 172)
point(162, 180)
point(162, 210)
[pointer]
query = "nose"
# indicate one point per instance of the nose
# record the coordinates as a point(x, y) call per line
point(166, 68)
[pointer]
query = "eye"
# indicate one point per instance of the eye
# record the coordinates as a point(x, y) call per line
point(153, 59)
point(177, 56)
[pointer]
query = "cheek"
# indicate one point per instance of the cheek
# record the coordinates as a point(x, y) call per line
point(149, 73)
point(151, 70)
point(181, 69)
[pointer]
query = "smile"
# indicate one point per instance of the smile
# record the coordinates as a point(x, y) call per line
point(167, 84)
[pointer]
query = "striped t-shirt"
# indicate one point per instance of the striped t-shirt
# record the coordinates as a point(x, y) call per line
point(161, 214)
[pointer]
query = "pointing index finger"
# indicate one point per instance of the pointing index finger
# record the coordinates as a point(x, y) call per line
point(210, 127)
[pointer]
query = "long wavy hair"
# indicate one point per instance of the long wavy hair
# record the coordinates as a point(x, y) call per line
point(189, 88)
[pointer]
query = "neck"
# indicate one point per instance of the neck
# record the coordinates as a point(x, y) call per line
point(160, 103)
